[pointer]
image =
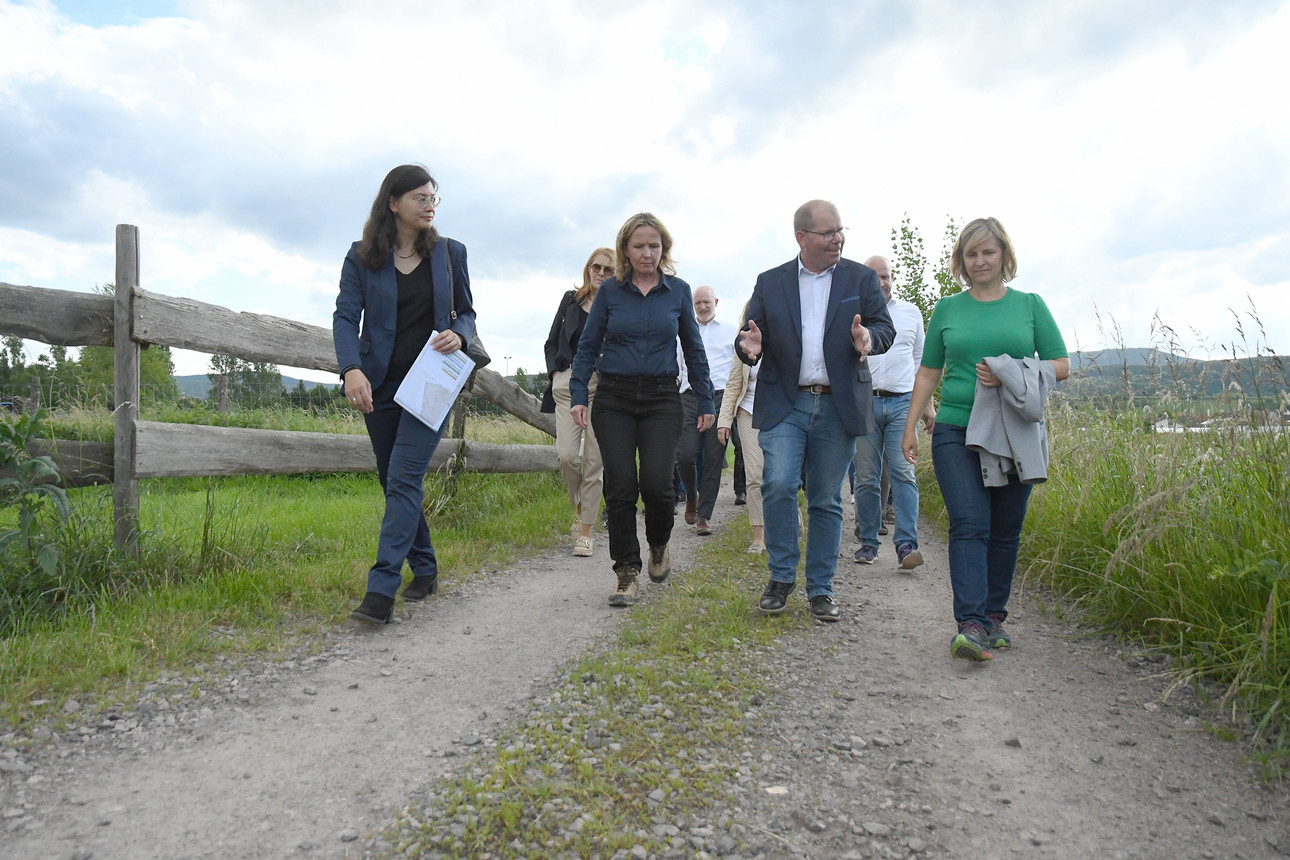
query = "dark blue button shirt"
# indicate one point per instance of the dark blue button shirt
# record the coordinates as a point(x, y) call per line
point(629, 334)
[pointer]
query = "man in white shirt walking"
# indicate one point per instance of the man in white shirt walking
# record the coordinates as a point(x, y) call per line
point(719, 346)
point(893, 383)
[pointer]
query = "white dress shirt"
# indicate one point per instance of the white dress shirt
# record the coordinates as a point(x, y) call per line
point(814, 291)
point(719, 347)
point(894, 370)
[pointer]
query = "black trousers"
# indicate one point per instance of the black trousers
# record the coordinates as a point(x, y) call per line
point(693, 444)
point(637, 419)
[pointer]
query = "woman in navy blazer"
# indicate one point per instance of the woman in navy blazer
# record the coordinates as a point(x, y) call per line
point(396, 289)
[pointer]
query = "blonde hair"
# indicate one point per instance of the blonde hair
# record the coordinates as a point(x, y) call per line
point(587, 289)
point(622, 266)
point(976, 232)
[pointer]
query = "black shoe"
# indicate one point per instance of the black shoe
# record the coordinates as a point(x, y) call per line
point(421, 587)
point(824, 609)
point(775, 597)
point(375, 609)
point(741, 498)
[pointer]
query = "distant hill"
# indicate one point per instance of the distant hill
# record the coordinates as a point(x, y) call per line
point(1153, 373)
point(1130, 356)
point(199, 385)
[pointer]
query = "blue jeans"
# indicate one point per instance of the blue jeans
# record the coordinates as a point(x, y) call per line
point(637, 420)
point(811, 436)
point(403, 447)
point(889, 414)
point(985, 527)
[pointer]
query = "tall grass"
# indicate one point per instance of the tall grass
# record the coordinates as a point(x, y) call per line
point(1178, 540)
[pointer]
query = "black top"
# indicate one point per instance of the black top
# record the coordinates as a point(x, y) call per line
point(415, 318)
point(566, 331)
point(562, 342)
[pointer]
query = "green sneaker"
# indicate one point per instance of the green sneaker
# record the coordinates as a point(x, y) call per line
point(971, 643)
point(995, 635)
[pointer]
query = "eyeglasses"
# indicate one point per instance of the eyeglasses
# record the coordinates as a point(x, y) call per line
point(427, 202)
point(597, 269)
point(841, 233)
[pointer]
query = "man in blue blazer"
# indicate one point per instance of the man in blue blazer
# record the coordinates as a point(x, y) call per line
point(811, 323)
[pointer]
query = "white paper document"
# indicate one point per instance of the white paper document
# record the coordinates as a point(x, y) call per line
point(433, 383)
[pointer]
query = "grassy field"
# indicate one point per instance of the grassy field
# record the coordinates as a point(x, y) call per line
point(237, 564)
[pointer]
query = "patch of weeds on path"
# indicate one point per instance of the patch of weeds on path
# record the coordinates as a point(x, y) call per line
point(637, 745)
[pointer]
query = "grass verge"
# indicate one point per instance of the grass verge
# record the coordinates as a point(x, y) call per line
point(1179, 542)
point(627, 730)
point(236, 566)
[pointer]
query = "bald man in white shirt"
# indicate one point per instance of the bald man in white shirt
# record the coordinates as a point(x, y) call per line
point(893, 384)
point(719, 347)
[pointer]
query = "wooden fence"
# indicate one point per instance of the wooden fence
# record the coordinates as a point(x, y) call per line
point(135, 318)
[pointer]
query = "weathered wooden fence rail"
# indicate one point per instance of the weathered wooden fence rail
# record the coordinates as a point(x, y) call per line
point(146, 449)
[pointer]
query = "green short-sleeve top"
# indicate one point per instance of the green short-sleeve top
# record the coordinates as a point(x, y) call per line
point(963, 331)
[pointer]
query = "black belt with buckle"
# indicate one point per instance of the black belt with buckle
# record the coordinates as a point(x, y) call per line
point(879, 393)
point(816, 389)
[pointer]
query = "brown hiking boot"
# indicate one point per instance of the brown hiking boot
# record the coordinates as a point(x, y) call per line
point(627, 587)
point(660, 563)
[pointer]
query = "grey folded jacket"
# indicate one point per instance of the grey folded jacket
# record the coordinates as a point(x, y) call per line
point(1007, 423)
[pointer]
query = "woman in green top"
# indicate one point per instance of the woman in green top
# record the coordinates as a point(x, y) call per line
point(987, 319)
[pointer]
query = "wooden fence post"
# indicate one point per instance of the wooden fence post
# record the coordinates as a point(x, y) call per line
point(221, 394)
point(33, 390)
point(125, 367)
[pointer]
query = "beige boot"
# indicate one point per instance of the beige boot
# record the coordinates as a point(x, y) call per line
point(627, 587)
point(660, 562)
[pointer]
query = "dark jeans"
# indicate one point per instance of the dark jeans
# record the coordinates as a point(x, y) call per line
point(688, 452)
point(637, 417)
point(403, 447)
point(985, 527)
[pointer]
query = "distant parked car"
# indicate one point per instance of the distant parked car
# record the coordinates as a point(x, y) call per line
point(8, 406)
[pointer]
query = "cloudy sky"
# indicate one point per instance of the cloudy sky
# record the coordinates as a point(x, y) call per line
point(1138, 153)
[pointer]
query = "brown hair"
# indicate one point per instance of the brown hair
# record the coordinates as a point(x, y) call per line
point(379, 233)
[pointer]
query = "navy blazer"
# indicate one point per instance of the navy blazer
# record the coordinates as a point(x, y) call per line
point(373, 296)
point(776, 307)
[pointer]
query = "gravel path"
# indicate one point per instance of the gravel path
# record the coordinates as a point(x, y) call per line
point(874, 742)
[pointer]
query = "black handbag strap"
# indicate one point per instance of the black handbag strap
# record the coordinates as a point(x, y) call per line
point(452, 290)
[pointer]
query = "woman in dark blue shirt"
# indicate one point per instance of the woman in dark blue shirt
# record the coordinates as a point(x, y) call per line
point(630, 337)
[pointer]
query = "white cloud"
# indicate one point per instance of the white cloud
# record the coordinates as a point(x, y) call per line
point(1138, 154)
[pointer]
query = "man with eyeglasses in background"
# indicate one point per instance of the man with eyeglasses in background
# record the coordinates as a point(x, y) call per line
point(811, 323)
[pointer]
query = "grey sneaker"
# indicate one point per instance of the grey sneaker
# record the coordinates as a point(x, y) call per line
point(627, 587)
point(996, 636)
point(866, 554)
point(971, 643)
point(660, 563)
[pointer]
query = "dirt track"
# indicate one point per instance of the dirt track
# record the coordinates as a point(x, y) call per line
point(876, 743)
